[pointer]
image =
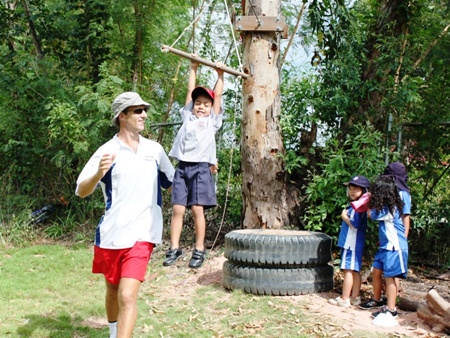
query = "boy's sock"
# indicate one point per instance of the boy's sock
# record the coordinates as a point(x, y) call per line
point(112, 329)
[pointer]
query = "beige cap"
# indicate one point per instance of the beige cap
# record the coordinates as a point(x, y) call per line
point(125, 100)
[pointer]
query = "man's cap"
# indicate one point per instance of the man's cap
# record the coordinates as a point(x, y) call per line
point(202, 91)
point(360, 181)
point(125, 100)
point(398, 171)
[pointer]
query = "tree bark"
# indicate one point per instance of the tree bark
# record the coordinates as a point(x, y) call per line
point(137, 47)
point(265, 201)
point(391, 22)
point(36, 41)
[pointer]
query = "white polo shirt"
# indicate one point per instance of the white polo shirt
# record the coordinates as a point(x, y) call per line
point(132, 193)
point(195, 140)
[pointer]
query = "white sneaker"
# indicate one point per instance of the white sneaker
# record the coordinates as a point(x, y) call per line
point(355, 301)
point(385, 319)
point(339, 302)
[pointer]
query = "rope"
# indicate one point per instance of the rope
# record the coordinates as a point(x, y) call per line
point(192, 22)
point(230, 168)
point(235, 105)
point(234, 37)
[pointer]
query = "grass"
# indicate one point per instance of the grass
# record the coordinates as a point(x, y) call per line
point(49, 291)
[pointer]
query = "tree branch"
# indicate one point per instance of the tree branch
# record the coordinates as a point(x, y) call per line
point(299, 17)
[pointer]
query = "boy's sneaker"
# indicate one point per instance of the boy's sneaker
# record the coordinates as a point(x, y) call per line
point(385, 309)
point(339, 302)
point(197, 258)
point(384, 299)
point(355, 301)
point(371, 304)
point(172, 255)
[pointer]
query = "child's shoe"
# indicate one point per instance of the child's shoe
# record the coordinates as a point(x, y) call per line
point(371, 304)
point(339, 302)
point(355, 301)
point(197, 259)
point(385, 309)
point(385, 318)
point(171, 256)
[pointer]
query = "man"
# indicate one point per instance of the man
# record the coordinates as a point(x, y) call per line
point(130, 170)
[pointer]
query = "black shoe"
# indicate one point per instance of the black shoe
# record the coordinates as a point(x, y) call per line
point(371, 304)
point(172, 255)
point(198, 257)
point(385, 309)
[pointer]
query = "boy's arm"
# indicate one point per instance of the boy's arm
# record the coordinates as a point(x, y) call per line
point(218, 89)
point(191, 81)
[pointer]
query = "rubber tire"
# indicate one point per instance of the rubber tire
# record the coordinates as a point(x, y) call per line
point(278, 248)
point(275, 281)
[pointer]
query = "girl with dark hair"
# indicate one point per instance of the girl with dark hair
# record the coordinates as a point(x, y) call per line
point(392, 257)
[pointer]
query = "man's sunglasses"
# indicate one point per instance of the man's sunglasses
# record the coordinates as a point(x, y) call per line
point(139, 110)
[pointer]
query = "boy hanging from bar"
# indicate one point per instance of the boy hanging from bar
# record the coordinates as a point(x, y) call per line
point(195, 150)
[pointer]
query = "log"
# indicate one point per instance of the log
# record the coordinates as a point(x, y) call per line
point(435, 312)
point(407, 305)
point(211, 64)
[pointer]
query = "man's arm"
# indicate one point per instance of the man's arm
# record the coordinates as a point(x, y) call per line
point(88, 185)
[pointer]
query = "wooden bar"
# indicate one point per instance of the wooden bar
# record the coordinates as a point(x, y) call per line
point(228, 70)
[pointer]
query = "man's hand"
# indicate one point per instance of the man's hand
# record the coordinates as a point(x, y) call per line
point(105, 164)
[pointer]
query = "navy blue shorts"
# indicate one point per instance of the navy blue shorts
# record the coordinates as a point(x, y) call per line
point(193, 184)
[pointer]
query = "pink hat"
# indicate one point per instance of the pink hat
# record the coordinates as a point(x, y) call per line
point(202, 91)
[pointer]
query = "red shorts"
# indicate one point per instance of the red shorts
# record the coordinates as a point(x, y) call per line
point(122, 263)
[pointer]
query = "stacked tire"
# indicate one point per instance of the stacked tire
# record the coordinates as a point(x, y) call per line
point(277, 262)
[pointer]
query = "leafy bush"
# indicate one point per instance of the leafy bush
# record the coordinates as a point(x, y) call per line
point(325, 194)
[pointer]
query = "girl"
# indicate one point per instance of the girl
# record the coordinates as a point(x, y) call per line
point(392, 257)
point(352, 239)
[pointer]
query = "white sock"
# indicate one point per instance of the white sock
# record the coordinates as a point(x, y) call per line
point(112, 329)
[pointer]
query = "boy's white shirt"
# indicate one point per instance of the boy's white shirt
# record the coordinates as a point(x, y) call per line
point(195, 141)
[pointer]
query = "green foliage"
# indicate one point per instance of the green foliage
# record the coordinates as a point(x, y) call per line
point(326, 195)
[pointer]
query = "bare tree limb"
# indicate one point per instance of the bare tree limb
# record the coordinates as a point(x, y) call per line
point(291, 39)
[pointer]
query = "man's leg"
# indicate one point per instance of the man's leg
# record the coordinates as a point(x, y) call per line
point(112, 306)
point(127, 300)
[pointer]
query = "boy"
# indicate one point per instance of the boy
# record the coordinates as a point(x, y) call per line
point(195, 150)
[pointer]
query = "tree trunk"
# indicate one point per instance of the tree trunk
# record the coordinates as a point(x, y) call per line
point(137, 48)
point(265, 201)
point(36, 41)
point(392, 22)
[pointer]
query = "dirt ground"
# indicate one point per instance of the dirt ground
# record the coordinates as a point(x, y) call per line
point(419, 282)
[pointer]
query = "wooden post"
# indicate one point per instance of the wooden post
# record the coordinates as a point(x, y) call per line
point(231, 71)
point(264, 187)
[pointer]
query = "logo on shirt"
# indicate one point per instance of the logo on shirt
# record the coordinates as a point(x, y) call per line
point(201, 125)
